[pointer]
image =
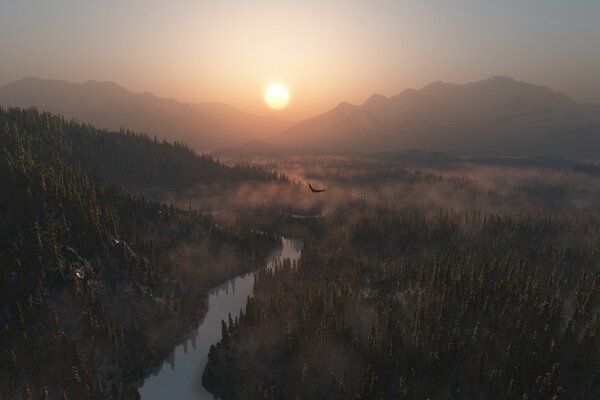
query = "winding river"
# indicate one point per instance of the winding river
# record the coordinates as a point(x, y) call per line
point(180, 375)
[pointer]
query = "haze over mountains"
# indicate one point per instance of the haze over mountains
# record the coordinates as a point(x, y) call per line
point(107, 105)
point(498, 116)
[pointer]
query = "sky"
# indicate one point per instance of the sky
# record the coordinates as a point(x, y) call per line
point(324, 51)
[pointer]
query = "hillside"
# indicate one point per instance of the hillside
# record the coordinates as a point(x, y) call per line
point(107, 105)
point(94, 292)
point(496, 116)
point(130, 159)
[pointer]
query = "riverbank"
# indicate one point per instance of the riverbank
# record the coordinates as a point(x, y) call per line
point(167, 334)
point(179, 375)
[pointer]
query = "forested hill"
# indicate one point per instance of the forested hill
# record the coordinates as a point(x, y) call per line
point(94, 292)
point(127, 158)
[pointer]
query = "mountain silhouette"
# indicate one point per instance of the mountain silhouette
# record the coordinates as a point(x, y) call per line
point(204, 126)
point(495, 116)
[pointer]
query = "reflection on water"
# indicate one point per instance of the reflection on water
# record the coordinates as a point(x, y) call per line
point(180, 375)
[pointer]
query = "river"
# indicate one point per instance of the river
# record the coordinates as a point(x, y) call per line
point(180, 375)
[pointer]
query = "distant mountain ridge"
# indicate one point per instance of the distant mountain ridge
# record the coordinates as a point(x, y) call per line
point(495, 116)
point(498, 116)
point(107, 105)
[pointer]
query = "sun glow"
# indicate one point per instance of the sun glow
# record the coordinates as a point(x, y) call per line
point(277, 96)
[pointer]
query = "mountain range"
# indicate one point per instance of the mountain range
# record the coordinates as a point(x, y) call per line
point(107, 105)
point(498, 116)
point(495, 116)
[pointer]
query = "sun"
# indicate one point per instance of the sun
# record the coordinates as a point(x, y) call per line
point(277, 96)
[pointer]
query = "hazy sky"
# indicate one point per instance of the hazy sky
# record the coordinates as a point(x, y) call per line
point(324, 51)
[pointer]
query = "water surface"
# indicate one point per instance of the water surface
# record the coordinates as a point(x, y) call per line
point(180, 375)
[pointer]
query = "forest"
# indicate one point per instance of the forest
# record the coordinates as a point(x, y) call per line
point(419, 278)
point(94, 292)
point(470, 282)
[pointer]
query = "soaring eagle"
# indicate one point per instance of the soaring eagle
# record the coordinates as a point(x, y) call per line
point(315, 190)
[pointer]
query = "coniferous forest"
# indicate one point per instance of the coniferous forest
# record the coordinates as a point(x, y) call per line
point(437, 287)
point(92, 293)
point(421, 276)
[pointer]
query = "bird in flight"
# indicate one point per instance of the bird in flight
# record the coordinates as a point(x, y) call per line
point(315, 190)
